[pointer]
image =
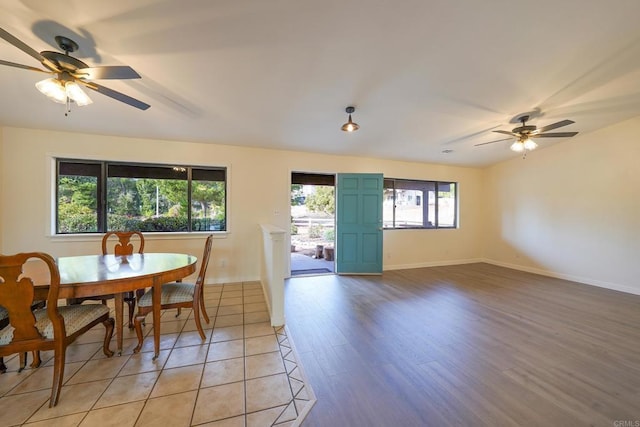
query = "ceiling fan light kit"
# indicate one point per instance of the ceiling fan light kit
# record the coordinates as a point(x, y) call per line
point(524, 134)
point(76, 94)
point(529, 144)
point(517, 146)
point(350, 126)
point(71, 73)
point(63, 91)
point(53, 89)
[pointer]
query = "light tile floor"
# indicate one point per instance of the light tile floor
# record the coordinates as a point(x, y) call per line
point(244, 375)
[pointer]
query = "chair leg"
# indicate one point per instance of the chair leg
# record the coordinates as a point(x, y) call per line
point(58, 373)
point(204, 310)
point(3, 367)
point(108, 324)
point(23, 361)
point(132, 306)
point(196, 315)
point(179, 310)
point(36, 359)
point(139, 294)
point(138, 325)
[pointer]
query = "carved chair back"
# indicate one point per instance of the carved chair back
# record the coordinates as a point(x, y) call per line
point(16, 296)
point(123, 246)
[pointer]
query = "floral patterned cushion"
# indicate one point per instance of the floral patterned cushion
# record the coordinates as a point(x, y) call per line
point(75, 317)
point(172, 293)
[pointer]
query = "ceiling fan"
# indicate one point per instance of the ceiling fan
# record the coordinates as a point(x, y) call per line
point(69, 73)
point(525, 133)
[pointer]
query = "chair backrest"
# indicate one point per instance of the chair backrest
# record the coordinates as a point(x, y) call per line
point(16, 296)
point(123, 246)
point(205, 261)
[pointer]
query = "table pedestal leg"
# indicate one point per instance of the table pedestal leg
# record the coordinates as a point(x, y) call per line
point(157, 296)
point(119, 302)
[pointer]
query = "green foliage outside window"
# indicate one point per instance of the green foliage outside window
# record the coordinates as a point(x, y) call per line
point(141, 204)
point(77, 204)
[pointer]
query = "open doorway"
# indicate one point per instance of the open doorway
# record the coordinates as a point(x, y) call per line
point(312, 223)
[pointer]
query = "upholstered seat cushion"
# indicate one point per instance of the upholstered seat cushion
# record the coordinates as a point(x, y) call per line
point(172, 293)
point(75, 317)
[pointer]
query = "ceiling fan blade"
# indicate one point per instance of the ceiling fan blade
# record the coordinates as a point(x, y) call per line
point(555, 135)
point(506, 132)
point(25, 67)
point(555, 125)
point(27, 49)
point(115, 95)
point(107, 72)
point(491, 142)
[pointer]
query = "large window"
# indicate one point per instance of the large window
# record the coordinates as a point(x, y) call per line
point(94, 197)
point(419, 204)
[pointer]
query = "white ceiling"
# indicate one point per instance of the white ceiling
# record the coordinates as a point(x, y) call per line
point(424, 75)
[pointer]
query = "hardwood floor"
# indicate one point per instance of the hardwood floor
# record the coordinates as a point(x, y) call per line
point(467, 345)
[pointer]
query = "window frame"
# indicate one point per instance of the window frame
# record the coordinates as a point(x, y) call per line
point(101, 193)
point(390, 184)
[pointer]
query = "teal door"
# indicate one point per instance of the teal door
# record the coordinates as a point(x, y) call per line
point(359, 224)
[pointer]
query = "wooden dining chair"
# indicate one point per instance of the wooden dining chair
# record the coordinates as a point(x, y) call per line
point(50, 328)
point(123, 246)
point(4, 322)
point(178, 295)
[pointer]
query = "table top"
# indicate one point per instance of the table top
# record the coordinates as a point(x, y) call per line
point(99, 268)
point(89, 275)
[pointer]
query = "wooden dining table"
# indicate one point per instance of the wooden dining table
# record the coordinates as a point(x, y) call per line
point(92, 275)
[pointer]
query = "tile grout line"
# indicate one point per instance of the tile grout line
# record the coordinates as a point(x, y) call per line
point(146, 400)
point(213, 320)
point(244, 361)
point(110, 382)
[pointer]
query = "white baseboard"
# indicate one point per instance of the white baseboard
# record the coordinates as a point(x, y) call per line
point(579, 279)
point(573, 278)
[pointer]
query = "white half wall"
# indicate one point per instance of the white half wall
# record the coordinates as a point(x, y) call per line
point(571, 210)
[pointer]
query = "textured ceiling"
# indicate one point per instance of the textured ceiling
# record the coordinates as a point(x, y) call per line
point(424, 76)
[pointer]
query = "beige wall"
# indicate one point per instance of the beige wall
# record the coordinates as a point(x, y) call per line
point(258, 193)
point(571, 210)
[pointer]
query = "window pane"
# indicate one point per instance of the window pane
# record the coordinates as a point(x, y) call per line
point(416, 204)
point(431, 217)
point(208, 206)
point(446, 204)
point(77, 197)
point(77, 204)
point(409, 208)
point(141, 198)
point(388, 204)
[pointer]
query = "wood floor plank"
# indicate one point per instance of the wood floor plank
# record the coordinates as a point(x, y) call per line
point(473, 344)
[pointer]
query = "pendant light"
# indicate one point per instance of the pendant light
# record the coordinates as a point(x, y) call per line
point(350, 126)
